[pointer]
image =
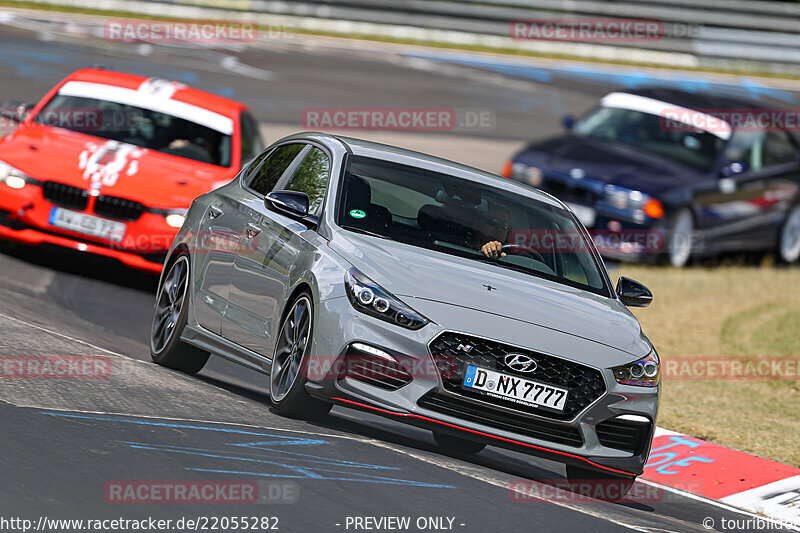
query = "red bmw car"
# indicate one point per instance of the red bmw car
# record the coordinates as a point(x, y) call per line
point(109, 162)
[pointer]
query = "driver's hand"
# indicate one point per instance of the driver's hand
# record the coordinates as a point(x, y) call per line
point(178, 143)
point(492, 249)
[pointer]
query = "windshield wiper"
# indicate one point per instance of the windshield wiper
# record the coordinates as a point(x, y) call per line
point(367, 232)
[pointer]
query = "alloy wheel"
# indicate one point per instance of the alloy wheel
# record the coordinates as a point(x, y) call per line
point(169, 304)
point(290, 350)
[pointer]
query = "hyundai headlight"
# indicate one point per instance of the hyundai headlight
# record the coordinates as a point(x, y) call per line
point(645, 372)
point(370, 298)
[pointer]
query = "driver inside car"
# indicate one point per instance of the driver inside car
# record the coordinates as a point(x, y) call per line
point(493, 228)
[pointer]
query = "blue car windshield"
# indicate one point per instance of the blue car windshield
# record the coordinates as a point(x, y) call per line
point(647, 132)
point(456, 216)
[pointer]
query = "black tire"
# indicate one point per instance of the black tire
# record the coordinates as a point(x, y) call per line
point(287, 378)
point(457, 444)
point(598, 485)
point(166, 347)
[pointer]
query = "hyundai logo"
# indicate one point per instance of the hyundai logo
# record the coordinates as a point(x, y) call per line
point(520, 362)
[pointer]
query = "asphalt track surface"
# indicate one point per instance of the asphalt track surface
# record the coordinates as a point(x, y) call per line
point(63, 441)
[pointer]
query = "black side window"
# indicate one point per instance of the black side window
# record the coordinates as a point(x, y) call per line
point(264, 179)
point(250, 169)
point(251, 140)
point(311, 177)
point(746, 147)
point(779, 149)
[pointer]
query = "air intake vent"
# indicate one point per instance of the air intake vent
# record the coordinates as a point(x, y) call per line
point(479, 414)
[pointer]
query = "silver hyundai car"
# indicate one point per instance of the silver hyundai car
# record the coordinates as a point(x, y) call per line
point(376, 278)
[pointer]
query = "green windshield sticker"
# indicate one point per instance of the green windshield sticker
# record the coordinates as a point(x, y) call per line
point(357, 213)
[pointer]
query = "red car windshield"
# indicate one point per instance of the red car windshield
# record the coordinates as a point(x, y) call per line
point(138, 126)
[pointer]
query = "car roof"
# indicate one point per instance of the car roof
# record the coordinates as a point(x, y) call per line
point(694, 100)
point(180, 92)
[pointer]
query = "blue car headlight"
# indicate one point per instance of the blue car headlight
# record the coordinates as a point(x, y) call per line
point(370, 298)
point(645, 372)
point(531, 175)
point(641, 204)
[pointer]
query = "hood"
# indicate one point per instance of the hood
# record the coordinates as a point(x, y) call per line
point(117, 169)
point(608, 162)
point(417, 276)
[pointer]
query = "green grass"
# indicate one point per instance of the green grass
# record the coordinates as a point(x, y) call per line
point(728, 312)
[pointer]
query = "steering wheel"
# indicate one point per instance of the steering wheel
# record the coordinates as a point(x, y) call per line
point(516, 249)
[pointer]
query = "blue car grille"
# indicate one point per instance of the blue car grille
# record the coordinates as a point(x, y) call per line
point(567, 192)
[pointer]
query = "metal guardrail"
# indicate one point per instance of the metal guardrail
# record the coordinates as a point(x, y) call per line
point(750, 35)
point(745, 34)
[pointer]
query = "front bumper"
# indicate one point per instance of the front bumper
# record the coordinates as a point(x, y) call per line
point(338, 326)
point(24, 218)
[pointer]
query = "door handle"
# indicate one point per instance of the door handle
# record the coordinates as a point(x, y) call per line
point(214, 211)
point(252, 230)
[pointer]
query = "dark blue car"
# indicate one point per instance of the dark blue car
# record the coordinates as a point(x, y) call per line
point(665, 175)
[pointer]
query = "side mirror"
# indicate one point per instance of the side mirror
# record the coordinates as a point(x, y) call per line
point(632, 293)
point(291, 203)
point(15, 110)
point(568, 121)
point(731, 169)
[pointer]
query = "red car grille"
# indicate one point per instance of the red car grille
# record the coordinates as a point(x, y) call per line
point(105, 206)
point(65, 195)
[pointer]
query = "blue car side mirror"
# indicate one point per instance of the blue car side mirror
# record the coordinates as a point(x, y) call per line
point(568, 121)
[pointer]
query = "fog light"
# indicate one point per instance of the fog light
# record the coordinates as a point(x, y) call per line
point(176, 221)
point(15, 182)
